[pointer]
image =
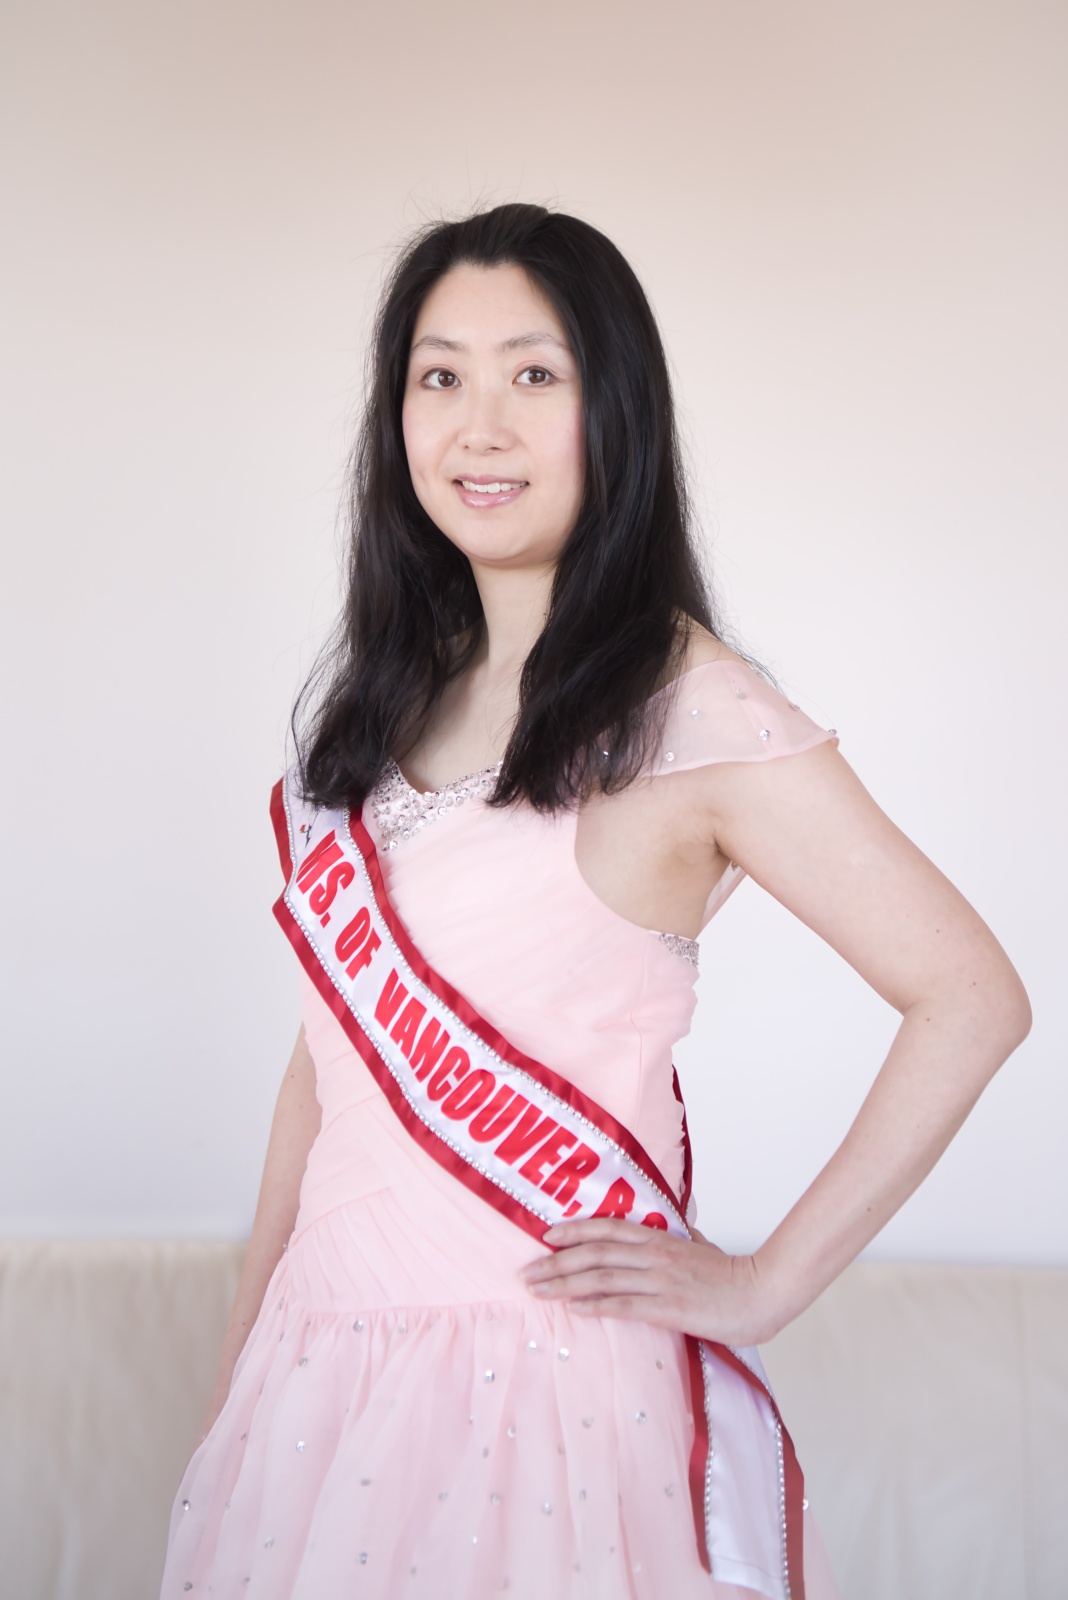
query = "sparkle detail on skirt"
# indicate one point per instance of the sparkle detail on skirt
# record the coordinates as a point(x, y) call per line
point(400, 811)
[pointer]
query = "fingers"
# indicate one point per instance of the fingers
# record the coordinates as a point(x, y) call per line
point(582, 1258)
point(630, 1307)
point(596, 1283)
point(605, 1267)
point(562, 1235)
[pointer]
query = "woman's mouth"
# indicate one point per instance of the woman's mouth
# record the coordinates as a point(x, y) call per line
point(489, 491)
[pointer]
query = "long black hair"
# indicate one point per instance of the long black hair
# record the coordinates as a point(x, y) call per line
point(628, 582)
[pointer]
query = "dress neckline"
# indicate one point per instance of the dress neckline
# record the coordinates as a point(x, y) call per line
point(468, 779)
point(400, 810)
point(393, 766)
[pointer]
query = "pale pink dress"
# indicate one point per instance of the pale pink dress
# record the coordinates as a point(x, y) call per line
point(405, 1419)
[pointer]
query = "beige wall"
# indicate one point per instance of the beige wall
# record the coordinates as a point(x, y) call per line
point(850, 218)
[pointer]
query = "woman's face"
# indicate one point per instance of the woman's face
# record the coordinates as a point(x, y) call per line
point(493, 418)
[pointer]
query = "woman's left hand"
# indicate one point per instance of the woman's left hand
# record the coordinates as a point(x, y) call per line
point(608, 1268)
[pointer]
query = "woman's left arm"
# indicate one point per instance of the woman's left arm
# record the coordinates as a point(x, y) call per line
point(804, 827)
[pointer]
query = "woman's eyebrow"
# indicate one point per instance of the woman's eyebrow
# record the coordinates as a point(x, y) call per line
point(437, 341)
point(522, 340)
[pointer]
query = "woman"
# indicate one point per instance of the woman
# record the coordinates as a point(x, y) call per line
point(475, 1346)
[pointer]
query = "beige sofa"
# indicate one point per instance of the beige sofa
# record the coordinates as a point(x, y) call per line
point(929, 1405)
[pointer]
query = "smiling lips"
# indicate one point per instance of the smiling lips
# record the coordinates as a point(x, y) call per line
point(489, 491)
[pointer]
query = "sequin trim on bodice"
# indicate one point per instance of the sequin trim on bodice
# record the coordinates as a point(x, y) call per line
point(686, 948)
point(400, 812)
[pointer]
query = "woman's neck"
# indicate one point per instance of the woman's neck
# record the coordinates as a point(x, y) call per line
point(471, 725)
point(515, 604)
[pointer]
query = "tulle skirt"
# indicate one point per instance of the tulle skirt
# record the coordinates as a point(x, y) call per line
point(446, 1450)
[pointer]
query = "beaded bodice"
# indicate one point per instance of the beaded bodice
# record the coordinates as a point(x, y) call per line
point(401, 811)
point(494, 901)
point(719, 711)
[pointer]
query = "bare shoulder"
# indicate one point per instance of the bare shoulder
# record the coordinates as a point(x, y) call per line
point(703, 647)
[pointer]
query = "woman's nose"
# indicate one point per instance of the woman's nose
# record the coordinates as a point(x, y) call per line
point(484, 423)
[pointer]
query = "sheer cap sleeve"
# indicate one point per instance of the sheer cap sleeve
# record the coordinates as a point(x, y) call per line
point(724, 711)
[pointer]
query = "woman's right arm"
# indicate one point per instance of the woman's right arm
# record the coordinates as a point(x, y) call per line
point(297, 1119)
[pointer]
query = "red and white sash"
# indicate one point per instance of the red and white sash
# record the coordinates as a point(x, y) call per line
point(532, 1145)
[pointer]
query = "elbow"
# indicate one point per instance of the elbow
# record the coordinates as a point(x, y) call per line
point(1009, 1013)
point(1020, 1015)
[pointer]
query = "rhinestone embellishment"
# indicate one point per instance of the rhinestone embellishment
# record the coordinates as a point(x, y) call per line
point(686, 948)
point(400, 811)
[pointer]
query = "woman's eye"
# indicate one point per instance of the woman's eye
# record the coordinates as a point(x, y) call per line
point(441, 378)
point(536, 377)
